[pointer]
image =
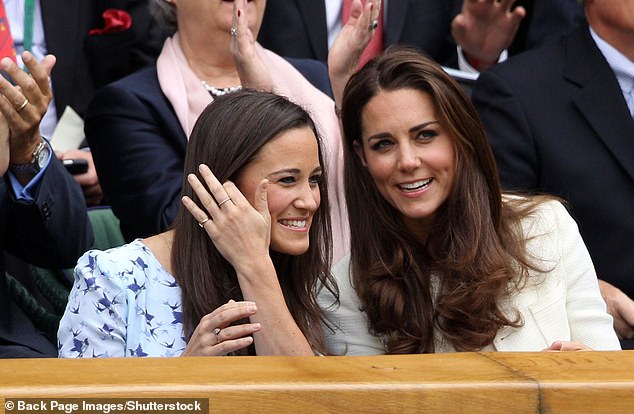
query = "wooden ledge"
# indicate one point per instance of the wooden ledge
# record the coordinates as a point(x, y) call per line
point(571, 382)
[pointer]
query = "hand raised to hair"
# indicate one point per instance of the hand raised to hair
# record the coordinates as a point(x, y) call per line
point(484, 28)
point(24, 104)
point(347, 48)
point(251, 68)
point(241, 232)
point(215, 335)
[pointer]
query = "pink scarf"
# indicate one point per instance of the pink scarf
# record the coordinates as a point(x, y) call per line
point(180, 85)
point(189, 98)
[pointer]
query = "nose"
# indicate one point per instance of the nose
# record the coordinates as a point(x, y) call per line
point(308, 198)
point(408, 159)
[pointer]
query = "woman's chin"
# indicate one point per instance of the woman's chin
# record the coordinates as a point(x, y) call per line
point(291, 249)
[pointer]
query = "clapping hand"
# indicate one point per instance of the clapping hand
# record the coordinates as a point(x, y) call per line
point(252, 71)
point(484, 28)
point(347, 48)
point(22, 107)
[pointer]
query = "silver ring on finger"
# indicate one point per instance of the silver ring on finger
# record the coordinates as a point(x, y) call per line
point(226, 200)
point(373, 25)
point(234, 31)
point(216, 333)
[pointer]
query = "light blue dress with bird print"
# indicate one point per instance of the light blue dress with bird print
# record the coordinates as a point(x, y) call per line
point(123, 303)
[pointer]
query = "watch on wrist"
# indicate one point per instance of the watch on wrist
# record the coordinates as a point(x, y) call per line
point(38, 161)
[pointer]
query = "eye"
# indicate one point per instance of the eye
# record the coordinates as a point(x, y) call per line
point(381, 144)
point(315, 179)
point(287, 180)
point(426, 134)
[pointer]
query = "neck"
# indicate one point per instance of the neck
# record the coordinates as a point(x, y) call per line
point(621, 41)
point(161, 247)
point(211, 61)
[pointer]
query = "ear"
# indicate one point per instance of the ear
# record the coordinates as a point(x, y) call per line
point(358, 149)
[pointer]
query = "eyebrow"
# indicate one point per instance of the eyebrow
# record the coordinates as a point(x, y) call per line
point(381, 135)
point(293, 171)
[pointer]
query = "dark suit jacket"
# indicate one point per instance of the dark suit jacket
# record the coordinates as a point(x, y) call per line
point(138, 146)
point(52, 232)
point(297, 28)
point(86, 62)
point(546, 20)
point(558, 123)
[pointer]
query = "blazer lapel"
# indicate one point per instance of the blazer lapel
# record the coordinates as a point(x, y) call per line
point(599, 97)
point(542, 304)
point(317, 30)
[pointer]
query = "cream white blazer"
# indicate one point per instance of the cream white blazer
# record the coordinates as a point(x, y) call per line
point(564, 303)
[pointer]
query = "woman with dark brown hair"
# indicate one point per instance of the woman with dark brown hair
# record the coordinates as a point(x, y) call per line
point(236, 277)
point(440, 259)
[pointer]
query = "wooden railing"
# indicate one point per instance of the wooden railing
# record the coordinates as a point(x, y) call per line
point(571, 382)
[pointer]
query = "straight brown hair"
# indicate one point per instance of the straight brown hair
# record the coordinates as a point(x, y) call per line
point(475, 245)
point(227, 137)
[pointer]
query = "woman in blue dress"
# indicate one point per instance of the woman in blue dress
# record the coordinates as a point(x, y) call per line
point(237, 272)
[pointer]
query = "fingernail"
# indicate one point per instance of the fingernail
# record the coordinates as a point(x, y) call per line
point(257, 327)
point(252, 307)
point(231, 301)
point(5, 63)
point(26, 56)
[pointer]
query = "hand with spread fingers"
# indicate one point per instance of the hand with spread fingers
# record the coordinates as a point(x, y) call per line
point(24, 104)
point(347, 48)
point(240, 231)
point(216, 334)
point(484, 28)
point(252, 71)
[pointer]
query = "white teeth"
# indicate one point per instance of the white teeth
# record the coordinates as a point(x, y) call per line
point(300, 224)
point(415, 185)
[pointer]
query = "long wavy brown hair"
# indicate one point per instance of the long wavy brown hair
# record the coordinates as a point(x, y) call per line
point(475, 248)
point(228, 136)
